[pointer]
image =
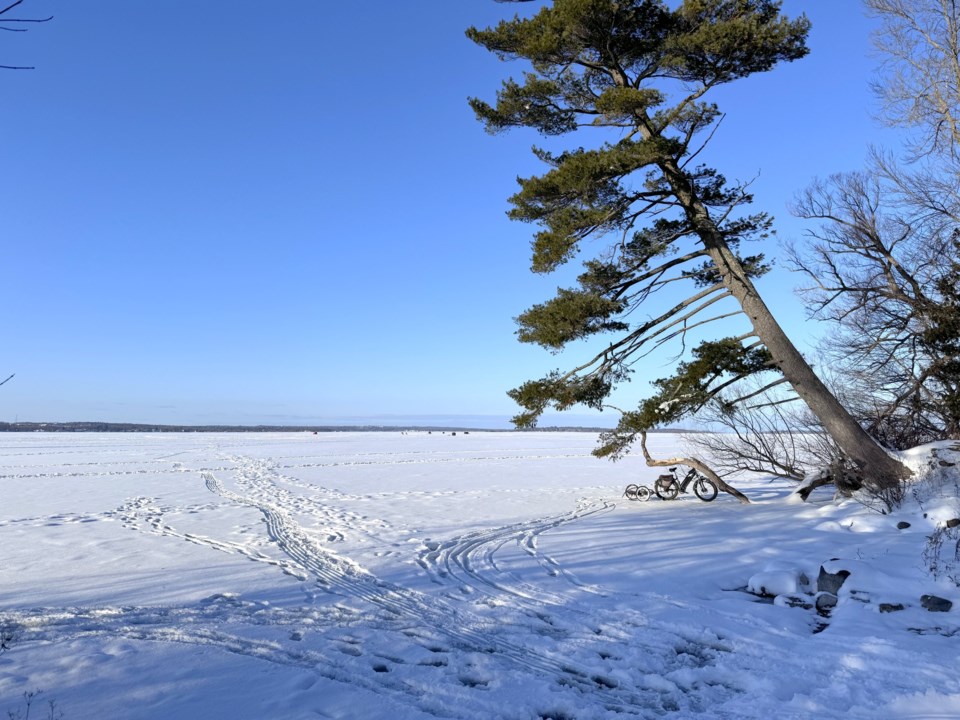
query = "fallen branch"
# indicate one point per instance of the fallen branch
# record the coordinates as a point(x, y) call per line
point(695, 464)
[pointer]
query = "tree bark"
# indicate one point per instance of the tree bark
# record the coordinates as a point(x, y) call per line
point(880, 470)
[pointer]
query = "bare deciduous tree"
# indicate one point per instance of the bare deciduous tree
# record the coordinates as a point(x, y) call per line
point(884, 262)
point(878, 266)
point(920, 83)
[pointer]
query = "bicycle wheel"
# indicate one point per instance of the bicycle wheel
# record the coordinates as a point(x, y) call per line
point(705, 489)
point(643, 493)
point(631, 492)
point(666, 490)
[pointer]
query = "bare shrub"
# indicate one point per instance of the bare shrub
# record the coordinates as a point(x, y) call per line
point(774, 436)
point(23, 712)
point(771, 435)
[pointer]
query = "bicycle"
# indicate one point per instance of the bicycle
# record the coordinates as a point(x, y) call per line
point(667, 487)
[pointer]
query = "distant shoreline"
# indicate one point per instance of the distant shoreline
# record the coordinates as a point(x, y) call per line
point(150, 427)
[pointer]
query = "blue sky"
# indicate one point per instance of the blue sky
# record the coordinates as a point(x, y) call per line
point(224, 212)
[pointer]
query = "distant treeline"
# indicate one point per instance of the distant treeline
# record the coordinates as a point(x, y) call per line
point(146, 427)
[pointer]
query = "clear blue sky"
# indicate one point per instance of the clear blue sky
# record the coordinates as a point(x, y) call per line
point(248, 212)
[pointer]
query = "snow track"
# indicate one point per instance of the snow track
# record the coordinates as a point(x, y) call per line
point(142, 513)
point(471, 559)
point(341, 576)
point(494, 605)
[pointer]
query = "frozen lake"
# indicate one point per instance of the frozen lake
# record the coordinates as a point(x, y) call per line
point(416, 575)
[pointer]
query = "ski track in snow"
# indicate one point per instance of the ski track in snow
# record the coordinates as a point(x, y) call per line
point(576, 649)
point(470, 559)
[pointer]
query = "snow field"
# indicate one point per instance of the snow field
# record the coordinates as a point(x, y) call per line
point(415, 575)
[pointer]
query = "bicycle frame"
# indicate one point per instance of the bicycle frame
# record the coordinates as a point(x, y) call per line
point(669, 486)
point(673, 477)
point(688, 478)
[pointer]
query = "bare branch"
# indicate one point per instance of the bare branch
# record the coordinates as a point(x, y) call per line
point(4, 20)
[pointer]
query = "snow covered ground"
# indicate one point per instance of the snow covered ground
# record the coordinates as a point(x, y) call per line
point(480, 575)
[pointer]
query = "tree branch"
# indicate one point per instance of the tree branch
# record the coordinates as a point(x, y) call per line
point(695, 464)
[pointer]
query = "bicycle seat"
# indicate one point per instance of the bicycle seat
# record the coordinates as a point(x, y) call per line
point(671, 469)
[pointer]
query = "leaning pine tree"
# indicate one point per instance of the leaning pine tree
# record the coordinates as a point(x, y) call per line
point(642, 70)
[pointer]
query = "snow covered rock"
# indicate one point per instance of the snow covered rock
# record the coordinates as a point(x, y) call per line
point(825, 602)
point(794, 601)
point(775, 582)
point(828, 582)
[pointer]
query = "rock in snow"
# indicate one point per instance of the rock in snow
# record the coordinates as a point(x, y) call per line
point(935, 604)
point(828, 582)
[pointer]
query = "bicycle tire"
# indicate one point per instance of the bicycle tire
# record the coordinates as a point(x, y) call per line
point(631, 492)
point(667, 490)
point(643, 493)
point(705, 489)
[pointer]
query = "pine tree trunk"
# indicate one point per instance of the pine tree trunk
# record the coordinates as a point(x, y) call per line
point(880, 470)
